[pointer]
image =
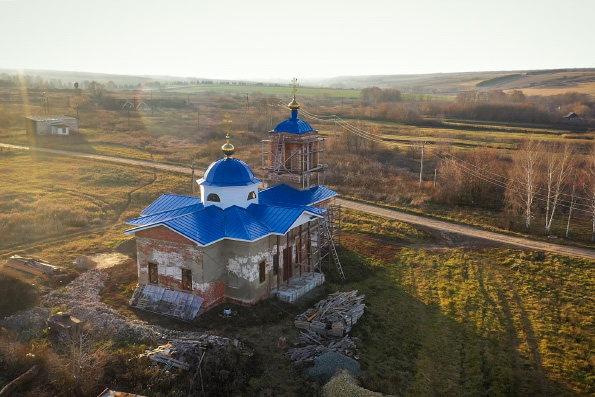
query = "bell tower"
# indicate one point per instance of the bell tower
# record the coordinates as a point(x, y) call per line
point(294, 153)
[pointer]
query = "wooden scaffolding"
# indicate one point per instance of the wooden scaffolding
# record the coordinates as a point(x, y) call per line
point(297, 160)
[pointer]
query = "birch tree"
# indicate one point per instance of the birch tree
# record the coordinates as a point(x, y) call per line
point(557, 167)
point(523, 186)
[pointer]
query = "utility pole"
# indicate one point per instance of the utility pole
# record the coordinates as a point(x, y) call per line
point(421, 167)
point(247, 103)
point(435, 178)
point(192, 181)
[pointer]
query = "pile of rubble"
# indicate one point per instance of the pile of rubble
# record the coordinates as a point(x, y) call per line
point(185, 353)
point(81, 299)
point(330, 318)
point(315, 346)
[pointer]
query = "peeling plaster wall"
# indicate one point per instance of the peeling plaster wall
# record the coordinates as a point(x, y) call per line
point(224, 271)
point(172, 253)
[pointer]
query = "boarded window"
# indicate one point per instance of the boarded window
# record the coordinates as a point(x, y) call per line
point(275, 264)
point(153, 274)
point(261, 272)
point(187, 279)
point(213, 197)
point(251, 195)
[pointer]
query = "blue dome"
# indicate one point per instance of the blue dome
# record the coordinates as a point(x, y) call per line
point(294, 125)
point(228, 172)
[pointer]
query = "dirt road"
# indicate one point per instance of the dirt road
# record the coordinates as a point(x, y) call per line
point(469, 231)
point(142, 163)
point(464, 230)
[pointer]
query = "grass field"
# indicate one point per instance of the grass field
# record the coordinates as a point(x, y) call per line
point(470, 322)
point(60, 208)
point(284, 92)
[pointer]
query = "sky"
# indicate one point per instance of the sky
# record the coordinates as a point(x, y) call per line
point(308, 39)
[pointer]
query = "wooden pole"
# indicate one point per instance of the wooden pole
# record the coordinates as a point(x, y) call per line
point(421, 167)
point(435, 178)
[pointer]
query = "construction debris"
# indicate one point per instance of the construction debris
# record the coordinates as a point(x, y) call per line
point(333, 316)
point(185, 353)
point(165, 301)
point(29, 265)
point(113, 393)
point(63, 323)
point(317, 346)
point(330, 318)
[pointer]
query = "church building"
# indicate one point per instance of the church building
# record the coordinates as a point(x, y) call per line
point(234, 243)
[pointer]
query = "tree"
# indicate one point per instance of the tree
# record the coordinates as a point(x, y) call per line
point(557, 167)
point(523, 182)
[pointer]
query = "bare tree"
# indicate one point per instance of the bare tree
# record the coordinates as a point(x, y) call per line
point(85, 355)
point(557, 167)
point(523, 182)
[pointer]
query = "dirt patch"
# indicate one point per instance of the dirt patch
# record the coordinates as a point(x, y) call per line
point(102, 260)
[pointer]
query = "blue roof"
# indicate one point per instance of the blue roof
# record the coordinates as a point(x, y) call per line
point(168, 202)
point(294, 125)
point(288, 195)
point(228, 172)
point(207, 225)
point(162, 216)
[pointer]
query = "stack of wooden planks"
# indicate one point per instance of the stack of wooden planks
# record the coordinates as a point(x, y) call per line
point(317, 346)
point(333, 316)
point(330, 317)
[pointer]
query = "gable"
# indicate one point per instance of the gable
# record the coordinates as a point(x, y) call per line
point(164, 234)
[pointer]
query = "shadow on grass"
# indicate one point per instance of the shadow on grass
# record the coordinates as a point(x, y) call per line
point(421, 337)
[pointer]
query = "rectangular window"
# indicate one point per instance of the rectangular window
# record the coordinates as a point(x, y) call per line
point(187, 279)
point(261, 272)
point(153, 274)
point(275, 264)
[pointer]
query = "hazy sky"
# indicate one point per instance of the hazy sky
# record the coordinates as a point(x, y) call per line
point(307, 39)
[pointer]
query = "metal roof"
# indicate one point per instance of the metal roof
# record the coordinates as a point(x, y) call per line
point(207, 225)
point(228, 172)
point(168, 202)
point(294, 125)
point(56, 117)
point(162, 216)
point(288, 195)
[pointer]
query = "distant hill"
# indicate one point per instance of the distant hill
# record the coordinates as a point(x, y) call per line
point(530, 81)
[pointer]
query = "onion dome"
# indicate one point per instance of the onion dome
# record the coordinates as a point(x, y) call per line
point(294, 125)
point(228, 149)
point(228, 172)
point(294, 105)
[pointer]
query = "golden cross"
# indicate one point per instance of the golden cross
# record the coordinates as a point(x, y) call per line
point(294, 81)
point(227, 120)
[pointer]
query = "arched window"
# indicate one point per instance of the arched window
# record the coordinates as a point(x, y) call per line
point(213, 197)
point(251, 195)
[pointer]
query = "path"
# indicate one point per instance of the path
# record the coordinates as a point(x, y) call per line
point(419, 220)
point(469, 231)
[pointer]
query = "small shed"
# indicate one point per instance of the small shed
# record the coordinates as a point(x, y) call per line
point(571, 116)
point(52, 125)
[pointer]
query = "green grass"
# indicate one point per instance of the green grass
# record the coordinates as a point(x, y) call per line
point(267, 90)
point(462, 322)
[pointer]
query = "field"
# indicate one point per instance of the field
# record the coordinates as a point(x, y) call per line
point(266, 90)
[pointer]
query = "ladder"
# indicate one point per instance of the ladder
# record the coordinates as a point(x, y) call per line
point(333, 250)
